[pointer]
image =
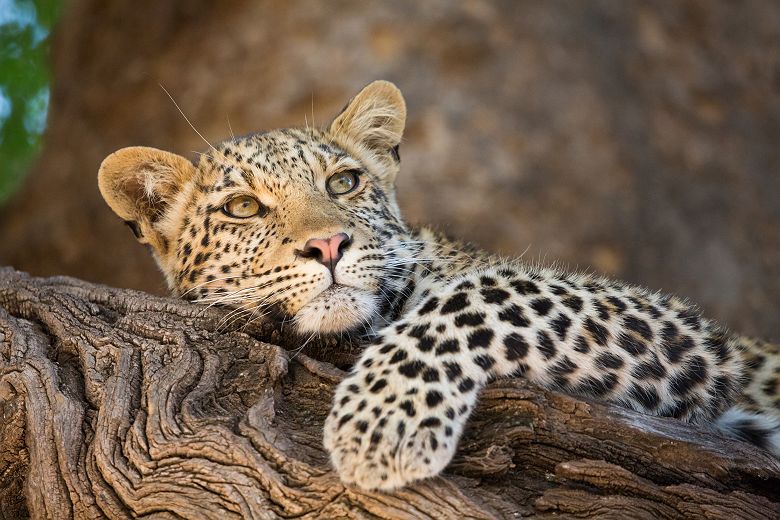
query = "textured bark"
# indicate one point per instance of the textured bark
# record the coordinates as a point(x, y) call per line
point(119, 404)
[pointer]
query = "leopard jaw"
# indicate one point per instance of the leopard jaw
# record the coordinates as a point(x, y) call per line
point(337, 309)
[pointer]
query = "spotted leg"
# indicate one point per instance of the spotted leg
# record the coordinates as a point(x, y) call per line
point(398, 417)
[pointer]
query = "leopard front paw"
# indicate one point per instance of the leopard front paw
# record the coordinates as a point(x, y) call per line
point(393, 424)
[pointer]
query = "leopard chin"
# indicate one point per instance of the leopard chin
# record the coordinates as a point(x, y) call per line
point(337, 309)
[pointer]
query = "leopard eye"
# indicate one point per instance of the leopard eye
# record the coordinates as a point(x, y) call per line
point(242, 206)
point(343, 182)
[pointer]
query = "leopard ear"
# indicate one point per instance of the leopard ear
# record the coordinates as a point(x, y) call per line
point(139, 184)
point(375, 117)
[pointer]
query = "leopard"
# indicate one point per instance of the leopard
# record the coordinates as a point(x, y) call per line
point(302, 226)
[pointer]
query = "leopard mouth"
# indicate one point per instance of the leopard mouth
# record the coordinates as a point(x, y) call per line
point(336, 287)
point(337, 309)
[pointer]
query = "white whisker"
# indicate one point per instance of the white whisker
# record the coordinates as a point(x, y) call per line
point(186, 118)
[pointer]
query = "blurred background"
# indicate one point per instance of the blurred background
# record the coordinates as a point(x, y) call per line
point(640, 140)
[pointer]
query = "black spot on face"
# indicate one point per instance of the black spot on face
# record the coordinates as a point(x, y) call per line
point(456, 303)
point(487, 281)
point(693, 374)
point(480, 338)
point(430, 375)
point(581, 345)
point(541, 306)
point(408, 407)
point(484, 361)
point(601, 309)
point(573, 302)
point(378, 386)
point(676, 348)
point(690, 318)
point(412, 369)
point(598, 387)
point(645, 396)
point(472, 319)
point(433, 398)
point(418, 331)
point(524, 287)
point(652, 369)
point(560, 325)
point(598, 332)
point(344, 420)
point(514, 315)
point(609, 360)
point(558, 290)
point(430, 422)
point(632, 344)
point(449, 346)
point(494, 295)
point(717, 345)
point(639, 326)
point(426, 343)
point(563, 367)
point(466, 385)
point(516, 347)
point(452, 370)
point(545, 345)
point(618, 305)
point(399, 356)
point(669, 331)
point(428, 306)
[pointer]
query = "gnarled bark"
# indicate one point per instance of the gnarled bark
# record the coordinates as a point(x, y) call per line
point(118, 404)
point(635, 138)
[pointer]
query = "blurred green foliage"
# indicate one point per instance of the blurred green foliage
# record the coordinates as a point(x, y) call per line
point(24, 84)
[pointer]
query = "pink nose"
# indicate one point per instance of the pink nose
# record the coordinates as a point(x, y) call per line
point(327, 251)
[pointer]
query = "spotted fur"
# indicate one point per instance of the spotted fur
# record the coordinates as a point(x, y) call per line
point(442, 319)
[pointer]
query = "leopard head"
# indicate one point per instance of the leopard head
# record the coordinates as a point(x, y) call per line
point(301, 225)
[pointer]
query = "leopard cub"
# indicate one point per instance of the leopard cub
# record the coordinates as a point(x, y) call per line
point(302, 225)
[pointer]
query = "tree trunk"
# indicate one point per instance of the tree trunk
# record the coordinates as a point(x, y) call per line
point(119, 404)
point(635, 138)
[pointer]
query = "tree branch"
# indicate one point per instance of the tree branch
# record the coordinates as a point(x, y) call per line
point(119, 404)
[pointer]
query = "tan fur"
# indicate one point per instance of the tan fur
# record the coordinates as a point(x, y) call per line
point(375, 117)
point(762, 390)
point(138, 183)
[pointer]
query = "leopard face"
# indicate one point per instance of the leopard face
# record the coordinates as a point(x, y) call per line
point(298, 224)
